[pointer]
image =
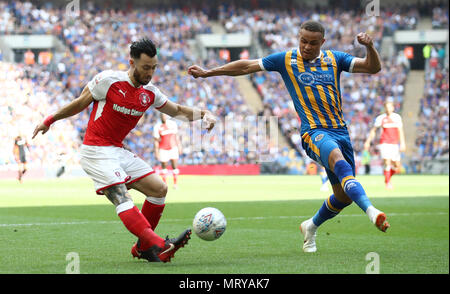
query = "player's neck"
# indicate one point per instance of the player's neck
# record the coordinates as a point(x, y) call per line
point(135, 83)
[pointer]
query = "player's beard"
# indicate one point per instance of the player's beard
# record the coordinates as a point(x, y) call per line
point(138, 77)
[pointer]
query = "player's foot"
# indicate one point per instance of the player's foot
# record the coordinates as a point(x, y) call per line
point(309, 236)
point(173, 244)
point(158, 254)
point(389, 186)
point(378, 218)
point(175, 186)
point(381, 222)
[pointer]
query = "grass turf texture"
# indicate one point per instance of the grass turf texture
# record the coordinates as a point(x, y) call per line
point(42, 221)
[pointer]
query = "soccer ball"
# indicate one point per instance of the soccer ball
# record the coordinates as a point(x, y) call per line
point(209, 224)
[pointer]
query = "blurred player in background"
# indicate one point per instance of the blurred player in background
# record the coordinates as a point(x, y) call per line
point(324, 178)
point(120, 98)
point(20, 155)
point(167, 147)
point(392, 140)
point(311, 76)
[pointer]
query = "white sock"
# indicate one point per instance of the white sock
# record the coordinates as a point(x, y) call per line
point(372, 212)
point(156, 200)
point(311, 225)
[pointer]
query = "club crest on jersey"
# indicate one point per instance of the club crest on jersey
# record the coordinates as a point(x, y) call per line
point(327, 60)
point(318, 137)
point(144, 99)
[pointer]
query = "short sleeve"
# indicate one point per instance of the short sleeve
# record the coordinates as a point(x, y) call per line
point(399, 120)
point(100, 84)
point(344, 61)
point(378, 121)
point(160, 98)
point(272, 62)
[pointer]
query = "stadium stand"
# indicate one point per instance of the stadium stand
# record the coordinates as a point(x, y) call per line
point(98, 39)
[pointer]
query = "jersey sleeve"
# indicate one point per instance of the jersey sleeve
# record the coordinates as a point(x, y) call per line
point(174, 126)
point(272, 62)
point(378, 121)
point(100, 84)
point(399, 120)
point(160, 98)
point(344, 61)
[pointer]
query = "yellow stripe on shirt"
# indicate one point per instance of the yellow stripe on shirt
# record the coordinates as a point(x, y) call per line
point(323, 97)
point(312, 100)
point(289, 70)
point(333, 61)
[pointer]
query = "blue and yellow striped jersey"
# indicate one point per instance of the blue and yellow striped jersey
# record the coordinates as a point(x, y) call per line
point(314, 86)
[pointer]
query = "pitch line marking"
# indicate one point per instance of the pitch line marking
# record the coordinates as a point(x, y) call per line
point(230, 219)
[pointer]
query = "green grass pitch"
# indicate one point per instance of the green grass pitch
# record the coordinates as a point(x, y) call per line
point(41, 222)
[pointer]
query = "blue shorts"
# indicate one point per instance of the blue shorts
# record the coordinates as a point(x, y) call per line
point(318, 144)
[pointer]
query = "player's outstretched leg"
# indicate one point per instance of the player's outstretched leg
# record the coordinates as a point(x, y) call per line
point(354, 190)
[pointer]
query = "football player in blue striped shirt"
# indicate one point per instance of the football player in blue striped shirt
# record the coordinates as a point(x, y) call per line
point(312, 78)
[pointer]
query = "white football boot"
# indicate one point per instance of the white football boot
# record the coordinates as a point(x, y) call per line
point(309, 230)
point(378, 218)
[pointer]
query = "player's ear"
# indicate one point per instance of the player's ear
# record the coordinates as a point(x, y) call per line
point(323, 41)
point(132, 62)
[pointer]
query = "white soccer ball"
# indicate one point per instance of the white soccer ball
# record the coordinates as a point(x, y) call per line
point(209, 224)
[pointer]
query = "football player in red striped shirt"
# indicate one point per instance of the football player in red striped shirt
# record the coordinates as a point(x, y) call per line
point(392, 140)
point(119, 99)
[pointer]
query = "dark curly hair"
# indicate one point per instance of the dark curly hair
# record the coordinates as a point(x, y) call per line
point(143, 45)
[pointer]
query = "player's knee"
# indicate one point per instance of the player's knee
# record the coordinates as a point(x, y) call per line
point(335, 156)
point(161, 191)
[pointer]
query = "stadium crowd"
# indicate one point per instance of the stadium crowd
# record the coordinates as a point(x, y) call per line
point(98, 39)
point(433, 124)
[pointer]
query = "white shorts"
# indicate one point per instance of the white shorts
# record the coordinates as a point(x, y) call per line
point(109, 165)
point(389, 151)
point(166, 155)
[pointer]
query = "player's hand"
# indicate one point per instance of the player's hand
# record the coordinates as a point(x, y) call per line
point(196, 71)
point(364, 39)
point(40, 128)
point(402, 148)
point(208, 121)
point(366, 146)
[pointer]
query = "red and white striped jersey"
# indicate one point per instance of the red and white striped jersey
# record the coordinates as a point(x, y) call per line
point(390, 127)
point(118, 106)
point(166, 134)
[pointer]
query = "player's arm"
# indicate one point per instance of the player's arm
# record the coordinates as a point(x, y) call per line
point(234, 68)
point(369, 139)
point(74, 107)
point(372, 62)
point(188, 113)
point(157, 148)
point(402, 139)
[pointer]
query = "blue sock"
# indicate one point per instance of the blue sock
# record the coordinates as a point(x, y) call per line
point(351, 186)
point(330, 208)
